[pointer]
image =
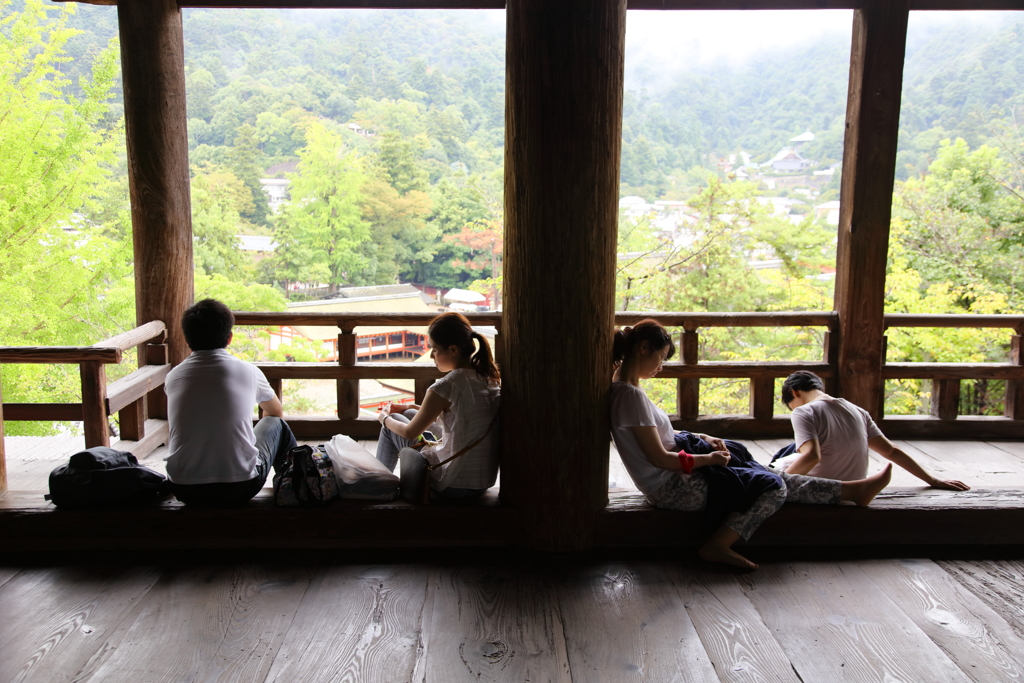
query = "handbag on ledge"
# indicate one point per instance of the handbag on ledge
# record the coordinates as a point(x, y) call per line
point(415, 470)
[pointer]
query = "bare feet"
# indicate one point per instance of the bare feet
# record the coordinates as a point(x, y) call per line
point(716, 553)
point(862, 492)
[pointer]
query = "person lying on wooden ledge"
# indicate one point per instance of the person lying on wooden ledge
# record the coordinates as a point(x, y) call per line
point(832, 437)
point(685, 471)
point(216, 457)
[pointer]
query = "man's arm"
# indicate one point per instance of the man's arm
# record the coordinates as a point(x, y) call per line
point(272, 407)
point(885, 448)
point(810, 456)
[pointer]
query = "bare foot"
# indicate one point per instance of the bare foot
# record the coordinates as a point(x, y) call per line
point(716, 553)
point(872, 486)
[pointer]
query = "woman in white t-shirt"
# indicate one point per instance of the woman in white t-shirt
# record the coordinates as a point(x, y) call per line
point(459, 409)
point(676, 480)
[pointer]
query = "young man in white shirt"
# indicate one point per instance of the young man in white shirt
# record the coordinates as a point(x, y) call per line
point(216, 457)
point(832, 437)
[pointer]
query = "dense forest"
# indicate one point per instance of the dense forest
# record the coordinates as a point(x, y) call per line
point(389, 126)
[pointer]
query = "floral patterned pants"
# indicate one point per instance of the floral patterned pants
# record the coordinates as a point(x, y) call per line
point(690, 492)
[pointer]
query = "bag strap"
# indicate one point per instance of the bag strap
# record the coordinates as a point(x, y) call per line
point(431, 468)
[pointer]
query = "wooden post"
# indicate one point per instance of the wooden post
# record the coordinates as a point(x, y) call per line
point(348, 389)
point(945, 398)
point(153, 70)
point(830, 355)
point(563, 129)
point(3, 452)
point(156, 401)
point(762, 397)
point(94, 404)
point(131, 420)
point(420, 389)
point(869, 165)
point(688, 388)
point(1015, 388)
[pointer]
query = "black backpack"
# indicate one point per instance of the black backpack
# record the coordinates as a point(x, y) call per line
point(104, 477)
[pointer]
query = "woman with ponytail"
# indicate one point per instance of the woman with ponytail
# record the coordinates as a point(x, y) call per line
point(684, 471)
point(460, 409)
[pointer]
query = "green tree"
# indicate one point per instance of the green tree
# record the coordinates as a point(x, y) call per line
point(247, 163)
point(323, 224)
point(57, 269)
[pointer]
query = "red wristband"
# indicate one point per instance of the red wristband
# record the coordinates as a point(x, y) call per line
point(686, 461)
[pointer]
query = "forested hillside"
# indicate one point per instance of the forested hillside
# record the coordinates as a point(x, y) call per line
point(390, 127)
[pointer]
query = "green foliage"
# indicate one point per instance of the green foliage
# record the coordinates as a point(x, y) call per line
point(61, 273)
point(322, 226)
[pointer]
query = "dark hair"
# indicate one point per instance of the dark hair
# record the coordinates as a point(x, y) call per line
point(453, 329)
point(801, 380)
point(650, 331)
point(207, 325)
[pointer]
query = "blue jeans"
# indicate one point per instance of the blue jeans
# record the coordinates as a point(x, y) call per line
point(274, 439)
point(390, 444)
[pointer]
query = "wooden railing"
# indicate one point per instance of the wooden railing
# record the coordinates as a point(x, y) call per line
point(688, 371)
point(140, 409)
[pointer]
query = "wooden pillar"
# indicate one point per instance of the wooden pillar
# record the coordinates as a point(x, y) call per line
point(945, 398)
point(563, 128)
point(1015, 388)
point(153, 69)
point(94, 404)
point(762, 397)
point(348, 389)
point(688, 388)
point(3, 452)
point(869, 165)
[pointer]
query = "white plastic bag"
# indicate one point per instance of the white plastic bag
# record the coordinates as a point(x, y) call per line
point(359, 475)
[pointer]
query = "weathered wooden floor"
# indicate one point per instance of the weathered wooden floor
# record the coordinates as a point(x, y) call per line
point(881, 620)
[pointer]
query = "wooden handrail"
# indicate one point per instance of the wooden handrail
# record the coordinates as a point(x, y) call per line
point(132, 338)
point(1014, 322)
point(59, 355)
point(128, 396)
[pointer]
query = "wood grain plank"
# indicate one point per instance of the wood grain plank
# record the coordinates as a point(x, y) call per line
point(220, 623)
point(628, 623)
point(740, 646)
point(999, 584)
point(63, 616)
point(1015, 449)
point(8, 573)
point(835, 624)
point(494, 624)
point(356, 623)
point(971, 634)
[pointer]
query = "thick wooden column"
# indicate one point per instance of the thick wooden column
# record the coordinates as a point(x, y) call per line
point(153, 67)
point(869, 164)
point(563, 121)
point(3, 452)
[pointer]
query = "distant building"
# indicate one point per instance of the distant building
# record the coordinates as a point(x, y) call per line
point(829, 211)
point(789, 160)
point(276, 190)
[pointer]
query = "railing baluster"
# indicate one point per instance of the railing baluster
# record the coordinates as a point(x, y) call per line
point(830, 355)
point(945, 398)
point(94, 404)
point(156, 354)
point(1015, 388)
point(348, 389)
point(688, 388)
point(421, 386)
point(131, 420)
point(762, 397)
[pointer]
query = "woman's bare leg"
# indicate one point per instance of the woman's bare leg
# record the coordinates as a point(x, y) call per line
point(863, 491)
point(719, 549)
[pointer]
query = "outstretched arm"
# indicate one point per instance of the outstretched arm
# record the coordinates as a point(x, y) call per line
point(649, 442)
point(885, 448)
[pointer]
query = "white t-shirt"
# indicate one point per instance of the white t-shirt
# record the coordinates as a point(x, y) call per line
point(474, 403)
point(631, 408)
point(210, 398)
point(842, 430)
